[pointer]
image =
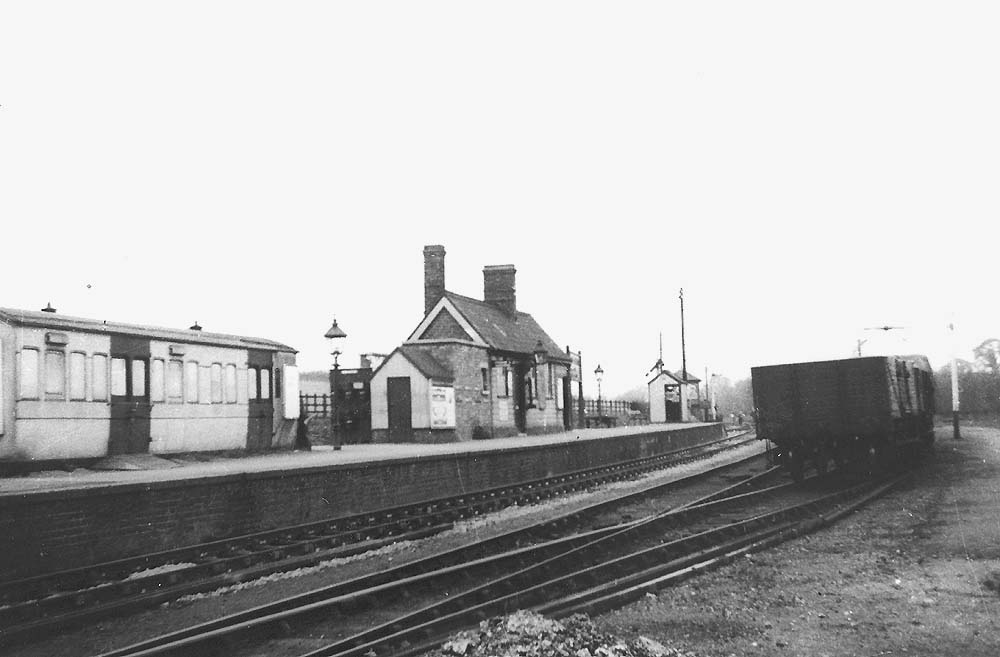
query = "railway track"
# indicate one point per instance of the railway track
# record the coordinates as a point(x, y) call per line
point(611, 570)
point(38, 606)
point(590, 571)
point(482, 561)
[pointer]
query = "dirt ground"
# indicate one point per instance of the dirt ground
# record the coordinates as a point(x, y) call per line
point(915, 573)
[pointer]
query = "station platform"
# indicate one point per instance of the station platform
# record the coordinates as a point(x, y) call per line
point(128, 505)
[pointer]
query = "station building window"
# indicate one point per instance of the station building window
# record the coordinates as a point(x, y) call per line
point(29, 374)
point(485, 374)
point(99, 377)
point(175, 381)
point(55, 374)
point(77, 375)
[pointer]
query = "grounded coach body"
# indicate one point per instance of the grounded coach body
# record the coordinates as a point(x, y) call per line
point(864, 411)
point(75, 388)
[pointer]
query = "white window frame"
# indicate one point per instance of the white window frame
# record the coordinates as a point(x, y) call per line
point(157, 380)
point(179, 398)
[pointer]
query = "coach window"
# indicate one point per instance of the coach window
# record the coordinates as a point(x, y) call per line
point(191, 381)
point(230, 384)
point(139, 378)
point(205, 384)
point(119, 388)
point(252, 391)
point(99, 377)
point(216, 383)
point(55, 375)
point(29, 374)
point(156, 380)
point(77, 375)
point(277, 383)
point(175, 381)
point(265, 383)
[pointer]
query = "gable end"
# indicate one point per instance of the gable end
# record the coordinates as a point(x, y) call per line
point(444, 327)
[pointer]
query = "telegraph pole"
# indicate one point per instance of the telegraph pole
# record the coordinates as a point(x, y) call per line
point(684, 365)
point(957, 435)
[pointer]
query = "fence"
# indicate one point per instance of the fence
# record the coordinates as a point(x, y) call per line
point(608, 406)
point(314, 405)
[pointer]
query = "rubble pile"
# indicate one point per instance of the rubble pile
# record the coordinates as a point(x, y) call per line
point(527, 634)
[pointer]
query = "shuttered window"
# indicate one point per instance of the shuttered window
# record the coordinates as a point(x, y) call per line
point(230, 384)
point(216, 383)
point(175, 381)
point(156, 380)
point(29, 374)
point(99, 377)
point(77, 375)
point(191, 381)
point(55, 375)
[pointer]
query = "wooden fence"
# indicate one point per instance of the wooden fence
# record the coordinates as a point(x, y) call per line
point(314, 405)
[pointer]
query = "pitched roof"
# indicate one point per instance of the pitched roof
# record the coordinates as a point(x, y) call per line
point(57, 321)
point(425, 363)
point(691, 378)
point(516, 332)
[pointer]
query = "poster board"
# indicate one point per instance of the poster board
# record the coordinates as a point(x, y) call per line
point(442, 400)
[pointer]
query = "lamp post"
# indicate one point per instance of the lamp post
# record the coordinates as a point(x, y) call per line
point(539, 355)
point(599, 375)
point(333, 334)
point(711, 388)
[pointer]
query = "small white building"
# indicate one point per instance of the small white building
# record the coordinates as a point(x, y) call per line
point(673, 397)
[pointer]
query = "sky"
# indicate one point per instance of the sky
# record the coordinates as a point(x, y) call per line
point(804, 171)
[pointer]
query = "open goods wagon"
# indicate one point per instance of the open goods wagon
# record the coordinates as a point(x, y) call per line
point(864, 411)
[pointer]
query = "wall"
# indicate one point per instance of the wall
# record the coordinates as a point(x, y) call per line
point(472, 407)
point(42, 532)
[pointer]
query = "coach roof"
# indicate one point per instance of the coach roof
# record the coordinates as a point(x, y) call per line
point(64, 322)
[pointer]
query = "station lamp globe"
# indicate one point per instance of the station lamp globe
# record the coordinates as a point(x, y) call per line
point(333, 334)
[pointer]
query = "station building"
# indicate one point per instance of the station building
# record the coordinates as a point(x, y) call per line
point(673, 396)
point(471, 369)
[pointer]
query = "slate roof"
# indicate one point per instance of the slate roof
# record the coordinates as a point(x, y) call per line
point(58, 321)
point(517, 332)
point(425, 363)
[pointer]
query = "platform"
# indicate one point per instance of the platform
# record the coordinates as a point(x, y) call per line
point(56, 520)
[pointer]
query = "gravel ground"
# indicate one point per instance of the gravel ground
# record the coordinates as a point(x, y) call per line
point(914, 573)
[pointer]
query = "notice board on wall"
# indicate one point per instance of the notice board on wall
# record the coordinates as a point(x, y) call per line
point(442, 407)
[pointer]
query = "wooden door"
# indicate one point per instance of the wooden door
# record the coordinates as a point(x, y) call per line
point(130, 407)
point(260, 413)
point(400, 409)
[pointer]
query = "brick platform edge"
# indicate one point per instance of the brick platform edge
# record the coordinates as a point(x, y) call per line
point(56, 530)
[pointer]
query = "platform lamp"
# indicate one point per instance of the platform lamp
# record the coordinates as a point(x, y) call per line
point(335, 333)
point(599, 375)
point(539, 355)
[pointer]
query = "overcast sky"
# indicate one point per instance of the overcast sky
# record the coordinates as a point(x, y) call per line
point(803, 170)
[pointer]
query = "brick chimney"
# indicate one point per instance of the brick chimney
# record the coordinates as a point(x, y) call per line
point(498, 287)
point(433, 275)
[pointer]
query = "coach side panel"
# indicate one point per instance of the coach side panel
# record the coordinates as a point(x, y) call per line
point(55, 394)
point(199, 398)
